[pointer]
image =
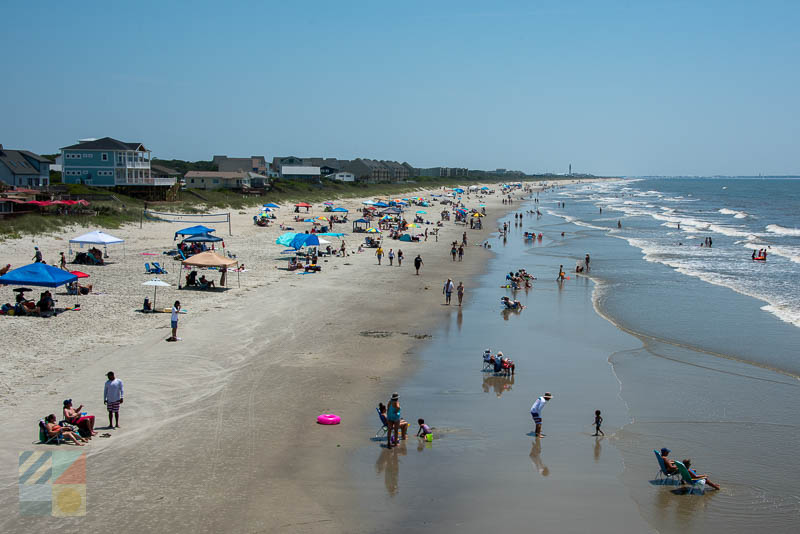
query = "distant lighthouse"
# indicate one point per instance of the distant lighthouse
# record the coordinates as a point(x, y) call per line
point(570, 169)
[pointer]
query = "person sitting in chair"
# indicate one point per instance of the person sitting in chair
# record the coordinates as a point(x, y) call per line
point(671, 469)
point(54, 429)
point(73, 416)
point(204, 283)
point(191, 279)
point(695, 476)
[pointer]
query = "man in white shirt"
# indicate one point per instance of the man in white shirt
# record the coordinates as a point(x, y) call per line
point(112, 398)
point(447, 290)
point(176, 309)
point(536, 412)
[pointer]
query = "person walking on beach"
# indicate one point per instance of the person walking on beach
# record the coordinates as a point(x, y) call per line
point(447, 291)
point(560, 274)
point(176, 308)
point(37, 256)
point(393, 413)
point(536, 412)
point(598, 420)
point(426, 234)
point(460, 292)
point(391, 257)
point(343, 249)
point(399, 257)
point(418, 263)
point(112, 398)
point(464, 239)
point(461, 253)
point(454, 251)
point(62, 263)
point(379, 254)
point(587, 262)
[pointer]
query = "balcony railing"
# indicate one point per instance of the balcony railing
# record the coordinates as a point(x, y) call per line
point(164, 182)
point(132, 164)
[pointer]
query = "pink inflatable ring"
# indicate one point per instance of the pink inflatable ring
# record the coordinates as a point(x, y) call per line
point(329, 419)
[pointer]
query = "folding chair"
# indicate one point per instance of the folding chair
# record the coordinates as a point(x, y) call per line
point(662, 470)
point(57, 439)
point(381, 433)
point(694, 483)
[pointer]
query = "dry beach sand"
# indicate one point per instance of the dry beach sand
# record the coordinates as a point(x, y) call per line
point(219, 430)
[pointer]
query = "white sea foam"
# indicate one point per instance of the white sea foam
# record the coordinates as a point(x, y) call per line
point(685, 261)
point(782, 230)
point(736, 214)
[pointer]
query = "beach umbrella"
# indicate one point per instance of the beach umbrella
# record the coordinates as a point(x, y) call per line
point(303, 205)
point(271, 205)
point(339, 210)
point(477, 214)
point(79, 274)
point(381, 204)
point(328, 203)
point(332, 234)
point(413, 225)
point(156, 283)
point(481, 205)
point(422, 211)
point(368, 202)
point(321, 218)
point(264, 208)
point(373, 231)
point(21, 289)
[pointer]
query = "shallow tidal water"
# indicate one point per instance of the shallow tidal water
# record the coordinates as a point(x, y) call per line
point(654, 382)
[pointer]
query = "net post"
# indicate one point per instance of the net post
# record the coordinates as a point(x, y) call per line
point(229, 224)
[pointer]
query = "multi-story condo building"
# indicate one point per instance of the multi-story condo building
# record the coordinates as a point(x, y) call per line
point(107, 162)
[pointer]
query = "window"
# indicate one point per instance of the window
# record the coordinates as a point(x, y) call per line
point(104, 156)
point(216, 180)
point(89, 156)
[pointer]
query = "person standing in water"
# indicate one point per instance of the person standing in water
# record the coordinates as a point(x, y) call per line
point(536, 412)
point(447, 291)
point(418, 263)
point(598, 420)
point(560, 274)
point(587, 262)
point(460, 292)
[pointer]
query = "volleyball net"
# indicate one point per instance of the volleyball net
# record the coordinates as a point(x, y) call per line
point(196, 218)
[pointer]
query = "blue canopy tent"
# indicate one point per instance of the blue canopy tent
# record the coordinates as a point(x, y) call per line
point(339, 210)
point(202, 238)
point(358, 222)
point(304, 240)
point(271, 205)
point(38, 274)
point(194, 230)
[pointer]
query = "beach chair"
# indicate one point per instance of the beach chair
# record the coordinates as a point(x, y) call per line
point(662, 470)
point(686, 477)
point(158, 268)
point(381, 433)
point(57, 439)
point(147, 269)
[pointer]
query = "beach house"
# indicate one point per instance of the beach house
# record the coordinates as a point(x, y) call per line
point(22, 168)
point(217, 180)
point(108, 162)
point(342, 176)
point(256, 164)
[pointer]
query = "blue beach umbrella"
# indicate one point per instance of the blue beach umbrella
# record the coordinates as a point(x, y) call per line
point(271, 205)
point(339, 210)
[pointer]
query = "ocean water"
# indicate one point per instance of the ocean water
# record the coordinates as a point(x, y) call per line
point(667, 220)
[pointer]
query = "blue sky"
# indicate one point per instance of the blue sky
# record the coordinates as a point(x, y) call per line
point(616, 88)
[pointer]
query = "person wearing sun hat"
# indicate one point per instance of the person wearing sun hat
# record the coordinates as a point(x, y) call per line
point(536, 412)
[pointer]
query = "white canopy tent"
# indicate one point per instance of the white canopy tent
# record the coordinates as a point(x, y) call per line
point(97, 238)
